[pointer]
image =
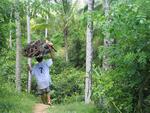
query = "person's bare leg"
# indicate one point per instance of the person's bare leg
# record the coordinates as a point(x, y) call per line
point(43, 99)
point(48, 99)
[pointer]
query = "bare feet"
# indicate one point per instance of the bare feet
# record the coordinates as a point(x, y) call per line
point(49, 103)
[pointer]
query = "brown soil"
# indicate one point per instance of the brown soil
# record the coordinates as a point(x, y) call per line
point(40, 108)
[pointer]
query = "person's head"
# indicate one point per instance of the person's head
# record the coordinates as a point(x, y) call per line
point(39, 59)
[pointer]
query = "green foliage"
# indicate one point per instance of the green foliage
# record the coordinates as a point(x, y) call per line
point(12, 102)
point(68, 85)
point(77, 53)
point(5, 7)
point(7, 60)
point(125, 87)
point(74, 108)
point(59, 66)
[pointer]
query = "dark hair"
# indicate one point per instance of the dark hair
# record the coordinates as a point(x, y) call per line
point(39, 59)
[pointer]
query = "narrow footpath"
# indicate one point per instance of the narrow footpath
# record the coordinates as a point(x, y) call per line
point(40, 108)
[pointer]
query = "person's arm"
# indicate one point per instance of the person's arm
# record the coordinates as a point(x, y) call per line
point(50, 43)
point(51, 55)
point(49, 62)
point(29, 68)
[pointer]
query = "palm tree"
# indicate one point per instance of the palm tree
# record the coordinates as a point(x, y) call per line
point(10, 29)
point(18, 48)
point(62, 19)
point(89, 53)
point(66, 14)
point(28, 41)
point(107, 40)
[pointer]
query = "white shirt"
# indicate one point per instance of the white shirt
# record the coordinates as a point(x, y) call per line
point(41, 73)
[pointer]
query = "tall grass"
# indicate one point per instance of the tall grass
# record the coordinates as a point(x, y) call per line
point(77, 107)
point(12, 102)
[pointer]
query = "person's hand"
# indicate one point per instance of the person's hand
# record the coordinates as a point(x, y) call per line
point(29, 68)
point(49, 43)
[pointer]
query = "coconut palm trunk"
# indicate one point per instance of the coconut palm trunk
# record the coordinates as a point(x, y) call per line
point(28, 41)
point(18, 48)
point(107, 43)
point(66, 9)
point(10, 30)
point(107, 40)
point(46, 30)
point(89, 54)
point(66, 43)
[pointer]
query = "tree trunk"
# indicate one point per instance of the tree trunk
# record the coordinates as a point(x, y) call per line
point(10, 38)
point(28, 41)
point(10, 31)
point(66, 43)
point(18, 48)
point(107, 43)
point(46, 30)
point(107, 40)
point(65, 30)
point(89, 54)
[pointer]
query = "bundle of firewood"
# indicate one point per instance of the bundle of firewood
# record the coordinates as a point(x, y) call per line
point(38, 48)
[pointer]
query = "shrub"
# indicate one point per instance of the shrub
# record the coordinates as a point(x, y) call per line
point(12, 102)
point(125, 87)
point(67, 85)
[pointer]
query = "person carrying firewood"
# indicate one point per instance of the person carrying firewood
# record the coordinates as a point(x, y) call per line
point(41, 73)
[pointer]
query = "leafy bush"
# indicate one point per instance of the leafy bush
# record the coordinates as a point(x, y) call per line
point(59, 65)
point(77, 53)
point(125, 87)
point(12, 102)
point(68, 85)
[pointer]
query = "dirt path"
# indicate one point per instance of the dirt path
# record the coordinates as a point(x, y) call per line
point(40, 108)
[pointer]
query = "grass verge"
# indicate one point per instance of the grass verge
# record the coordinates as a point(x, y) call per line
point(12, 102)
point(77, 107)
